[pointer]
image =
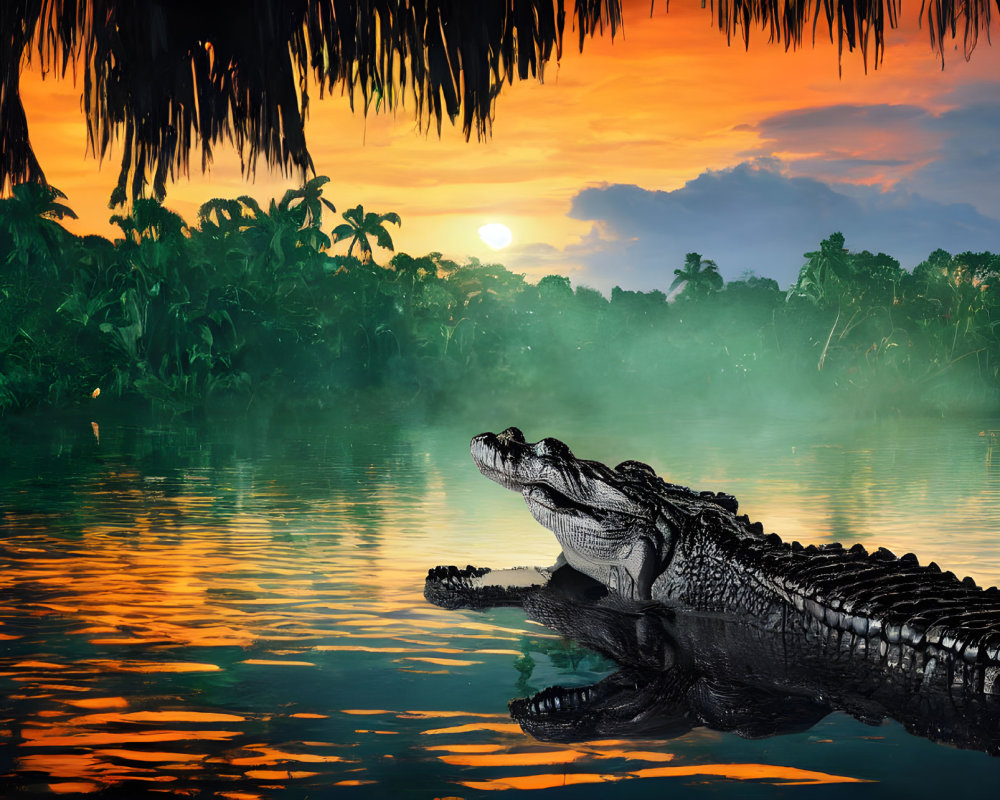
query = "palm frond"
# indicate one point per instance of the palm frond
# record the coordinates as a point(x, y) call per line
point(383, 239)
point(342, 231)
point(160, 78)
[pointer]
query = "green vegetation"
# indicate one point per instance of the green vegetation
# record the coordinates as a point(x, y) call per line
point(252, 307)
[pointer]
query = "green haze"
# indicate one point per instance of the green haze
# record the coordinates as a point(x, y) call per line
point(250, 307)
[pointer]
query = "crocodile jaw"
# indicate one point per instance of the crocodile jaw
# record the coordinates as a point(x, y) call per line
point(572, 483)
point(605, 530)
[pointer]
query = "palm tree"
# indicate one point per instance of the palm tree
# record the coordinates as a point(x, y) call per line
point(162, 78)
point(827, 279)
point(282, 240)
point(150, 221)
point(29, 225)
point(700, 276)
point(360, 226)
point(826, 268)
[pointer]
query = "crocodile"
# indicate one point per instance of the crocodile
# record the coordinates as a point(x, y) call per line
point(650, 541)
point(680, 669)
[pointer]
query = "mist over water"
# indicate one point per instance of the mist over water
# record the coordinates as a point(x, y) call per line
point(236, 607)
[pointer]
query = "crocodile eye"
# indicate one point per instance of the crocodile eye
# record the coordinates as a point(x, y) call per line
point(553, 447)
point(510, 435)
point(635, 468)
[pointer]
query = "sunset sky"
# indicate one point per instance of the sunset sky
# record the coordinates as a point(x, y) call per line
point(631, 154)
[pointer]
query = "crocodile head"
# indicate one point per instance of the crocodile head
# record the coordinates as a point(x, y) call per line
point(616, 525)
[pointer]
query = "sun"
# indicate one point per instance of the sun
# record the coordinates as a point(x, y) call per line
point(496, 235)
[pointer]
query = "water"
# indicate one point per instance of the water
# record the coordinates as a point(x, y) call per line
point(236, 611)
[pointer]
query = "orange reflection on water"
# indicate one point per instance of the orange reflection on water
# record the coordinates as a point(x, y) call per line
point(56, 687)
point(156, 716)
point(466, 748)
point(268, 756)
point(471, 755)
point(57, 736)
point(744, 772)
point(499, 727)
point(531, 759)
point(37, 665)
point(499, 652)
point(425, 671)
point(89, 771)
point(150, 755)
point(781, 776)
point(278, 774)
point(547, 781)
point(360, 648)
point(110, 665)
point(633, 755)
point(73, 787)
point(364, 711)
point(97, 702)
point(447, 714)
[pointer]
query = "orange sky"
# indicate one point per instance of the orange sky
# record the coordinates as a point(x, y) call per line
point(656, 108)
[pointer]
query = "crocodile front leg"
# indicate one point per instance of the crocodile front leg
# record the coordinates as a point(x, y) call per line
point(640, 570)
point(481, 587)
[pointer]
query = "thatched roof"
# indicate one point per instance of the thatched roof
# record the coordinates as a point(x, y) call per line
point(163, 75)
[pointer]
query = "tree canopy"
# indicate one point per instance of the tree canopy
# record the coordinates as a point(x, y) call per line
point(164, 76)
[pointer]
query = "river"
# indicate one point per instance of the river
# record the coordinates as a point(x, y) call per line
point(235, 609)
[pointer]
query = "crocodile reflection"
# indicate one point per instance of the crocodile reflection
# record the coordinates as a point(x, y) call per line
point(680, 670)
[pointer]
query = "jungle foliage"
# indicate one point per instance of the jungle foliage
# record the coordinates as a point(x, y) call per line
point(251, 305)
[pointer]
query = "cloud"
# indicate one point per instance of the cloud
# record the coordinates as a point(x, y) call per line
point(952, 156)
point(538, 259)
point(756, 217)
point(967, 168)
